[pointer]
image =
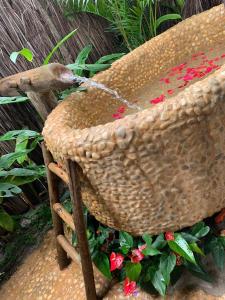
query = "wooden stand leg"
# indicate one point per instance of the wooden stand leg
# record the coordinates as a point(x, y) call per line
point(52, 179)
point(76, 198)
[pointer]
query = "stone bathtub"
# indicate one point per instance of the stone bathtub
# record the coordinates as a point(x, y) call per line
point(160, 169)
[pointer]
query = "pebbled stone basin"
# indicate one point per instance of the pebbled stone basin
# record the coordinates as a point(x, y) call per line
point(162, 168)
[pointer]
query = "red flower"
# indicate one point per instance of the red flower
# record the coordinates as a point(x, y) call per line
point(136, 256)
point(178, 259)
point(169, 236)
point(129, 287)
point(220, 217)
point(116, 261)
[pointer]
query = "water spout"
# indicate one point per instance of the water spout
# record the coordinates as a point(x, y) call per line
point(92, 83)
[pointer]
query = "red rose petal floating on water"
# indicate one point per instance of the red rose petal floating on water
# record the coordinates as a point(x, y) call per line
point(117, 116)
point(156, 100)
point(121, 109)
point(165, 80)
point(136, 256)
point(170, 92)
point(129, 287)
point(116, 261)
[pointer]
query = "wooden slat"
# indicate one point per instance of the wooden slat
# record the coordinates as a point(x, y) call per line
point(62, 258)
point(64, 215)
point(59, 172)
point(75, 192)
point(70, 250)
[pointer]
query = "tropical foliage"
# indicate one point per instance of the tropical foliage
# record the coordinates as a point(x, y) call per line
point(154, 262)
point(136, 21)
point(17, 169)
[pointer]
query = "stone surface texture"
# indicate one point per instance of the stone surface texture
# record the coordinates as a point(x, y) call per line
point(159, 169)
point(39, 278)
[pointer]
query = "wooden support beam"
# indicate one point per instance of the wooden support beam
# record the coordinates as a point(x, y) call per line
point(65, 244)
point(63, 260)
point(76, 198)
point(64, 215)
point(43, 102)
point(43, 79)
point(59, 172)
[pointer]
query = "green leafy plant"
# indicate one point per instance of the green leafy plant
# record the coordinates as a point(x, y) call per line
point(153, 262)
point(135, 21)
point(59, 44)
point(11, 176)
point(26, 53)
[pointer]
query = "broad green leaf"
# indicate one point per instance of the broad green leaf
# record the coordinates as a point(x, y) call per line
point(26, 53)
point(218, 254)
point(59, 44)
point(150, 251)
point(106, 61)
point(133, 271)
point(11, 100)
point(148, 239)
point(8, 159)
point(14, 134)
point(200, 230)
point(109, 58)
point(150, 273)
point(9, 190)
point(159, 283)
point(180, 246)
point(189, 237)
point(101, 261)
point(94, 68)
point(197, 271)
point(222, 240)
point(167, 265)
point(195, 248)
point(6, 220)
point(20, 172)
point(103, 234)
point(21, 145)
point(126, 241)
point(159, 242)
point(81, 58)
point(167, 17)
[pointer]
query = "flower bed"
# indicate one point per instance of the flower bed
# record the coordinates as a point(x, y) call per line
point(153, 263)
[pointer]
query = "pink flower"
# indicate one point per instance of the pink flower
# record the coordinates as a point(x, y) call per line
point(223, 55)
point(156, 100)
point(169, 236)
point(116, 261)
point(129, 287)
point(136, 256)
